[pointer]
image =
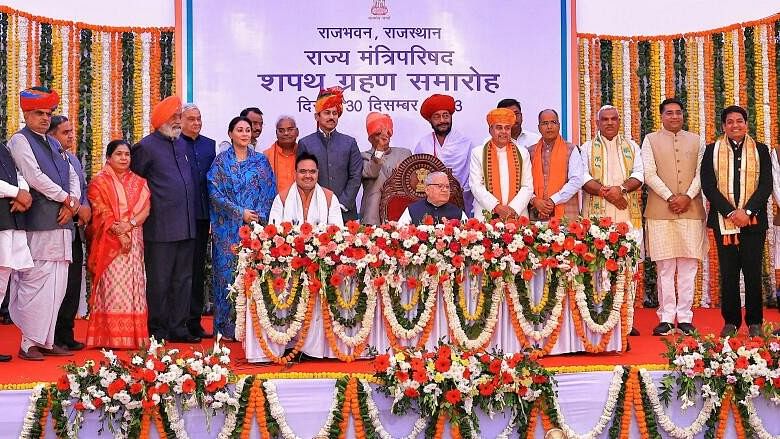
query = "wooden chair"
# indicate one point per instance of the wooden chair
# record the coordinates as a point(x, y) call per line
point(407, 184)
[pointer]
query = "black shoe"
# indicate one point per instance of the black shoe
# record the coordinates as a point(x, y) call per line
point(728, 330)
point(633, 332)
point(755, 330)
point(663, 328)
point(5, 358)
point(686, 328)
point(71, 345)
point(187, 338)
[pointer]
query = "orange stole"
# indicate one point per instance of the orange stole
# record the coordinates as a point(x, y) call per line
point(492, 174)
point(559, 170)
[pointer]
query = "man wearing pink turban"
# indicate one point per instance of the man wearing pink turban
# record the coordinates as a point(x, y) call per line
point(378, 163)
point(37, 292)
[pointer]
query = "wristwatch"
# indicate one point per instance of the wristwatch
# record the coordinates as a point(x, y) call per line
point(748, 212)
point(71, 203)
point(379, 154)
point(133, 223)
point(623, 189)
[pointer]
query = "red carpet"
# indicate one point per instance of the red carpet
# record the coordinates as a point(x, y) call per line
point(645, 349)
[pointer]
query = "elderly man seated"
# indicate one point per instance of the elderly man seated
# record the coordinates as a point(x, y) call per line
point(306, 201)
point(436, 202)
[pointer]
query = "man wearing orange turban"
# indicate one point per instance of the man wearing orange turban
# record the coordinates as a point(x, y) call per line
point(378, 163)
point(500, 172)
point(446, 143)
point(338, 156)
point(170, 229)
point(45, 251)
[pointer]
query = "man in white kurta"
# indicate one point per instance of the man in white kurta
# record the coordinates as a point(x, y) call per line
point(674, 215)
point(36, 293)
point(500, 172)
point(306, 201)
point(613, 176)
point(446, 143)
point(522, 137)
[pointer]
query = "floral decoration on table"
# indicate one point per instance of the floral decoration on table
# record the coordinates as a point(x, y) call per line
point(452, 384)
point(134, 392)
point(727, 374)
point(359, 270)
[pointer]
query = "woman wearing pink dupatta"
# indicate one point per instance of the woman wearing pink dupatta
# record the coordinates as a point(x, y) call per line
point(120, 204)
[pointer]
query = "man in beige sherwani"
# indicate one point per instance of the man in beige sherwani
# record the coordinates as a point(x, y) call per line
point(613, 176)
point(674, 215)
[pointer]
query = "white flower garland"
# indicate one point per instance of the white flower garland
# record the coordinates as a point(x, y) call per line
point(333, 407)
point(373, 414)
point(735, 66)
point(606, 415)
point(175, 420)
point(552, 321)
point(65, 92)
point(146, 42)
point(663, 420)
point(454, 323)
point(614, 315)
point(586, 63)
point(755, 421)
point(630, 302)
point(398, 330)
point(366, 324)
point(277, 411)
point(21, 31)
point(662, 69)
point(241, 308)
point(281, 337)
point(30, 418)
point(231, 417)
point(765, 88)
point(626, 68)
point(506, 433)
point(106, 92)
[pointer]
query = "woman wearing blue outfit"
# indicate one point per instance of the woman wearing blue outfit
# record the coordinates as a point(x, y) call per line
point(242, 188)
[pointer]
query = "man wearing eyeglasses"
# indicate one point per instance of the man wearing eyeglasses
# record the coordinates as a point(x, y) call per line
point(36, 293)
point(557, 170)
point(436, 204)
point(281, 155)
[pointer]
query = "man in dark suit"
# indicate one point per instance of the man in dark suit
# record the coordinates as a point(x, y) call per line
point(736, 177)
point(200, 153)
point(340, 162)
point(169, 232)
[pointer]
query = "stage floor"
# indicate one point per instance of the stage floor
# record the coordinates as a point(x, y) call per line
point(645, 349)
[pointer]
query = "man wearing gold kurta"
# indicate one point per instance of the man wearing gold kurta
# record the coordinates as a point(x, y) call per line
point(674, 215)
point(613, 175)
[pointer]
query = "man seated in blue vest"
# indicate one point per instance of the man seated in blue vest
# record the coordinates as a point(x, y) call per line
point(436, 203)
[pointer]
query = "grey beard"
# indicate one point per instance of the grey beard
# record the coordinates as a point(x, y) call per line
point(169, 132)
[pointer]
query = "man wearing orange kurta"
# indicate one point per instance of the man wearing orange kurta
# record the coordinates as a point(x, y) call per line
point(557, 169)
point(281, 154)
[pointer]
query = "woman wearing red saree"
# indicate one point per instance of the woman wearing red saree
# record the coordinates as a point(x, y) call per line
point(120, 205)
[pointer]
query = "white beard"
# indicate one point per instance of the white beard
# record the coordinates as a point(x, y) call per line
point(168, 131)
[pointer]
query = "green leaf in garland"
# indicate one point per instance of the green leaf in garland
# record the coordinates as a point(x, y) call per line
point(84, 139)
point(750, 79)
point(680, 75)
point(166, 64)
point(607, 84)
point(45, 60)
point(718, 81)
point(128, 86)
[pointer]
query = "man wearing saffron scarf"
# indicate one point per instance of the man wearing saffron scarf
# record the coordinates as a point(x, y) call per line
point(338, 155)
point(281, 155)
point(170, 229)
point(36, 293)
point(446, 143)
point(674, 215)
point(500, 173)
point(306, 201)
point(736, 177)
point(557, 170)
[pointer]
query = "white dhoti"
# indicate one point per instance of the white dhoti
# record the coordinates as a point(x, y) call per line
point(36, 295)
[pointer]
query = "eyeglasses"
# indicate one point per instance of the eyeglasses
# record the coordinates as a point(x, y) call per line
point(550, 123)
point(440, 186)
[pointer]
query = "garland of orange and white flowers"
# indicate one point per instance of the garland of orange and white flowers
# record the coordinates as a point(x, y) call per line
point(23, 34)
point(366, 323)
point(606, 416)
point(428, 283)
point(31, 418)
point(106, 100)
point(458, 334)
point(755, 421)
point(614, 314)
point(552, 321)
point(275, 335)
point(663, 419)
point(277, 411)
point(373, 415)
